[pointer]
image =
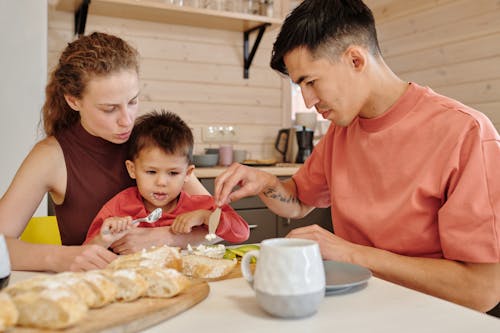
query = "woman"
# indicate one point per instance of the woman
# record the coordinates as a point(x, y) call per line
point(90, 108)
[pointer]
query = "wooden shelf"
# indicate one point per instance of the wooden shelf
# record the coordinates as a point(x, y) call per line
point(160, 11)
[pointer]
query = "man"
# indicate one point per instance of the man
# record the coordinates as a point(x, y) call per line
point(412, 177)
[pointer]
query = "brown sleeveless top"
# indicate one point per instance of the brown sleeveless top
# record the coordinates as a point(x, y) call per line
point(96, 172)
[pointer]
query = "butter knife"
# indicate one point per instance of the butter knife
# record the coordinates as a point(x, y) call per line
point(213, 223)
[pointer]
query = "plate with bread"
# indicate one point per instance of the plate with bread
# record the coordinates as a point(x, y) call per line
point(133, 292)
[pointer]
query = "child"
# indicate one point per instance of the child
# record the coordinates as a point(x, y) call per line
point(160, 162)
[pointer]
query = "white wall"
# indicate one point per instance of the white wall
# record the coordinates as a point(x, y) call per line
point(23, 68)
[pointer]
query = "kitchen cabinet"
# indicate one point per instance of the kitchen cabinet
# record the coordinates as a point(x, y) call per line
point(161, 11)
point(264, 223)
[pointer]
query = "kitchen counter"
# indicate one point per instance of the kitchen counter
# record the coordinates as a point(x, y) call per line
point(280, 169)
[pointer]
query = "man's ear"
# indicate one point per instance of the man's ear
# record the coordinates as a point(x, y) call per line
point(357, 57)
point(130, 168)
point(73, 102)
point(189, 171)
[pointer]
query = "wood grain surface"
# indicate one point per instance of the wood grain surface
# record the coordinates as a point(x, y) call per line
point(133, 316)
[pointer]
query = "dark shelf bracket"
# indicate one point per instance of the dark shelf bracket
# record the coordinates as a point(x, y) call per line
point(248, 57)
point(81, 17)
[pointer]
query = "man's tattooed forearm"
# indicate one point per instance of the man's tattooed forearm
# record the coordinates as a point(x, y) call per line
point(273, 194)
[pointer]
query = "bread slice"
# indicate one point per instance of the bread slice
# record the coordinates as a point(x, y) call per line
point(155, 257)
point(103, 287)
point(204, 267)
point(164, 282)
point(8, 312)
point(50, 308)
point(130, 284)
point(80, 286)
point(37, 283)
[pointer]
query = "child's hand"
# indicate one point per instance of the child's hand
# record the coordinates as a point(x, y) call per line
point(114, 228)
point(185, 222)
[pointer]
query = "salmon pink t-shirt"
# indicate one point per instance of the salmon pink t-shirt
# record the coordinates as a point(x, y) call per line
point(422, 179)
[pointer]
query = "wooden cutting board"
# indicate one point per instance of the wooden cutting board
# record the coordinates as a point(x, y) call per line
point(133, 316)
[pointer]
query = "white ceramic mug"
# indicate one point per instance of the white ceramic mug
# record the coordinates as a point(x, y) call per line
point(4, 263)
point(289, 279)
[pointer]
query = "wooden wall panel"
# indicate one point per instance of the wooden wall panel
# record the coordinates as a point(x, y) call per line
point(451, 45)
point(431, 18)
point(197, 73)
point(470, 71)
point(469, 28)
point(446, 54)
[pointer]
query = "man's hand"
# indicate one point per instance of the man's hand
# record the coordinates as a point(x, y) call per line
point(331, 246)
point(252, 181)
point(473, 285)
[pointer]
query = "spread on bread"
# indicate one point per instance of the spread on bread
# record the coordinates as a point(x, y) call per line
point(212, 251)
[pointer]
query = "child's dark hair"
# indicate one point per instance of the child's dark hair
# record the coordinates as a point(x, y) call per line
point(325, 28)
point(164, 130)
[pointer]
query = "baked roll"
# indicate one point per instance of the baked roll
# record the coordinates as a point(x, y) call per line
point(155, 257)
point(8, 312)
point(164, 282)
point(104, 289)
point(37, 283)
point(130, 284)
point(76, 282)
point(50, 308)
point(204, 267)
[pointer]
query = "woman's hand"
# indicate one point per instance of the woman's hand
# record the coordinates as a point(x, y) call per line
point(82, 258)
point(184, 223)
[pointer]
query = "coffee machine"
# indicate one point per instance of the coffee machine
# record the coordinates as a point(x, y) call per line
point(286, 144)
point(295, 143)
point(305, 138)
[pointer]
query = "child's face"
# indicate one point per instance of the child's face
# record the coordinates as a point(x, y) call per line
point(160, 177)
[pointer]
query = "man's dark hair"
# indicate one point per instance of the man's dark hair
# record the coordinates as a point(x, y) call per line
point(164, 130)
point(325, 28)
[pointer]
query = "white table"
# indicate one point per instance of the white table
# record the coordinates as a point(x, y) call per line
point(379, 307)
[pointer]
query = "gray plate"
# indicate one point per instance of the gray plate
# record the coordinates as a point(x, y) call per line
point(341, 275)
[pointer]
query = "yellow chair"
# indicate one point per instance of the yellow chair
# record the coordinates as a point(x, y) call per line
point(42, 230)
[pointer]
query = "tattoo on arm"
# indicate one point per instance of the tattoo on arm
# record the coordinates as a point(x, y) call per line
point(273, 194)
